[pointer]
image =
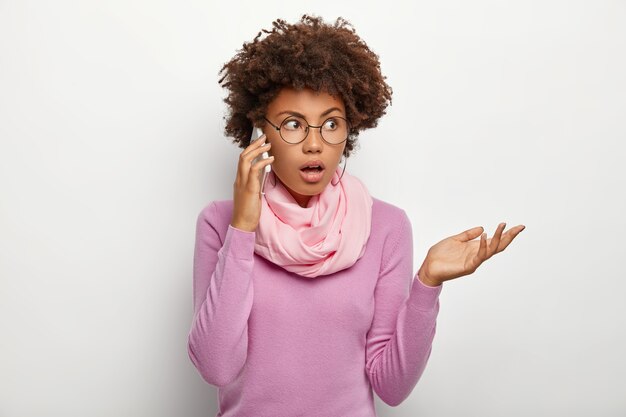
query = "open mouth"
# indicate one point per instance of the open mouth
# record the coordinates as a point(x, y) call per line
point(312, 169)
point(311, 174)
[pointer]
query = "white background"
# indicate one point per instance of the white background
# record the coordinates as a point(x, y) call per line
point(111, 129)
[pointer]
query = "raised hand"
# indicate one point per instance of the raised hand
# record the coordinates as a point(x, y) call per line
point(459, 255)
point(247, 187)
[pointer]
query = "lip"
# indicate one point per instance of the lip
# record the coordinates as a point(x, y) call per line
point(313, 163)
point(312, 177)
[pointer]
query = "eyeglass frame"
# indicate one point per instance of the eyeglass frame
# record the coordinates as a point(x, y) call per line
point(308, 126)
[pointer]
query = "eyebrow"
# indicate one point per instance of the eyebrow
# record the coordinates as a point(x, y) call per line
point(295, 113)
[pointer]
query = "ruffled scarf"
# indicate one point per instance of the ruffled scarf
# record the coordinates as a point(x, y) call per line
point(327, 236)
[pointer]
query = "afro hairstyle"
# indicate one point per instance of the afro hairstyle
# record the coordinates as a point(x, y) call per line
point(308, 54)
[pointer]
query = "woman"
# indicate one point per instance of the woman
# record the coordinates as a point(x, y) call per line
point(304, 296)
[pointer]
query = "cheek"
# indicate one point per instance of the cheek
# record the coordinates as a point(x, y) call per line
point(281, 158)
point(275, 153)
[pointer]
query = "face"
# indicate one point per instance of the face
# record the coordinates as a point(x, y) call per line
point(316, 107)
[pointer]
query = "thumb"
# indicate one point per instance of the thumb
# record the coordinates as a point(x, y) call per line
point(469, 234)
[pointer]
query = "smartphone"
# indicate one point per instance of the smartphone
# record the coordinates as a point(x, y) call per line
point(257, 133)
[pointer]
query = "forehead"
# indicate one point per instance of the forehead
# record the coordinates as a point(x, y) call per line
point(306, 101)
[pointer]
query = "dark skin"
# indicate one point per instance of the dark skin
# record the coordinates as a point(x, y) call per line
point(459, 255)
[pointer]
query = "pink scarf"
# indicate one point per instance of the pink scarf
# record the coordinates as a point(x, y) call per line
point(327, 236)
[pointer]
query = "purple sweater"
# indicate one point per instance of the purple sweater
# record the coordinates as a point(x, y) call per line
point(282, 345)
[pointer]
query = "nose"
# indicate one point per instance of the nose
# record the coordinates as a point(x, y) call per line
point(313, 141)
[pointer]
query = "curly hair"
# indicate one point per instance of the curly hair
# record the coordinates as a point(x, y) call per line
point(309, 53)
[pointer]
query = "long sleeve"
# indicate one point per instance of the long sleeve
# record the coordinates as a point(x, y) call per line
point(400, 339)
point(222, 298)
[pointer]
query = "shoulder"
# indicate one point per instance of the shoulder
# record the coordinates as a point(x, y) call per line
point(391, 226)
point(388, 216)
point(217, 210)
point(217, 215)
point(392, 234)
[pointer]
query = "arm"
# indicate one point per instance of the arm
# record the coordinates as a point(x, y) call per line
point(222, 298)
point(400, 340)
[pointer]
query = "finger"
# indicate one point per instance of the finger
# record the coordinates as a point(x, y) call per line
point(255, 145)
point(258, 151)
point(482, 251)
point(508, 237)
point(469, 234)
point(495, 241)
point(256, 172)
point(246, 158)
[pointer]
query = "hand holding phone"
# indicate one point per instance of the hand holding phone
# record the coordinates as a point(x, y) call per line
point(257, 133)
point(253, 162)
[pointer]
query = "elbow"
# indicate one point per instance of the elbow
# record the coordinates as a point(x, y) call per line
point(393, 399)
point(393, 391)
point(391, 394)
point(213, 370)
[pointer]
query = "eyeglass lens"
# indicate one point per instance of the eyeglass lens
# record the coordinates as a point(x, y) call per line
point(334, 130)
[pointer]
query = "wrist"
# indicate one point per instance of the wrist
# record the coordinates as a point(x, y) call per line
point(426, 280)
point(242, 227)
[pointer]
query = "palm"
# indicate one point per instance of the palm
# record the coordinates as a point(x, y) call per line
point(459, 255)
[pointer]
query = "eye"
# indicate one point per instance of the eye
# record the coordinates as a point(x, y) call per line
point(330, 124)
point(293, 124)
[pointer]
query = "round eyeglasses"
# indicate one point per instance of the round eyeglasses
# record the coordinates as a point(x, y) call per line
point(295, 129)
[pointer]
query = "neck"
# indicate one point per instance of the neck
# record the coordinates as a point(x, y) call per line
point(302, 200)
